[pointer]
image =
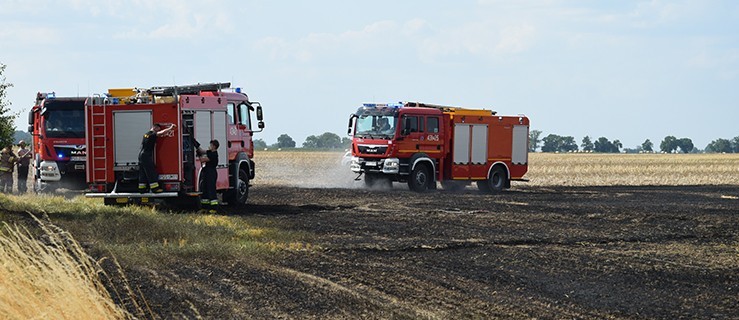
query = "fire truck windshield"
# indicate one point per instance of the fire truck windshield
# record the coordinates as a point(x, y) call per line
point(376, 126)
point(65, 123)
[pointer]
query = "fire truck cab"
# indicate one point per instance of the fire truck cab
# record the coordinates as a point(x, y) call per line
point(59, 152)
point(117, 121)
point(422, 143)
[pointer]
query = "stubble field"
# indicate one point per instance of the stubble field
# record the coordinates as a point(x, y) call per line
point(589, 237)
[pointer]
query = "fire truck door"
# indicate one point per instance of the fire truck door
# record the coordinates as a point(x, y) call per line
point(210, 125)
point(469, 154)
point(431, 143)
point(128, 128)
point(519, 153)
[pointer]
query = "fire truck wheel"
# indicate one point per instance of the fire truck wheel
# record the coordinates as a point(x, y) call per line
point(495, 182)
point(240, 193)
point(420, 178)
point(369, 180)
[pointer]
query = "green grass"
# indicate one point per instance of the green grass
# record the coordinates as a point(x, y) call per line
point(145, 235)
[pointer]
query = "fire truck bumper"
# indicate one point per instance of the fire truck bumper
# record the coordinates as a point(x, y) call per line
point(386, 166)
point(132, 195)
point(133, 198)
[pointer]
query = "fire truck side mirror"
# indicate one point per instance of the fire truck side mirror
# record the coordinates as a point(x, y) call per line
point(260, 124)
point(349, 128)
point(260, 116)
point(30, 129)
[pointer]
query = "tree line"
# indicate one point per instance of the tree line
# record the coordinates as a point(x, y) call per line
point(670, 144)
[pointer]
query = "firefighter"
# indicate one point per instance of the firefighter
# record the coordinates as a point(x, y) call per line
point(383, 125)
point(7, 162)
point(147, 171)
point(210, 175)
point(24, 159)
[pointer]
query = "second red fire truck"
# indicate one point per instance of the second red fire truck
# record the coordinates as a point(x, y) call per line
point(59, 154)
point(421, 144)
point(116, 122)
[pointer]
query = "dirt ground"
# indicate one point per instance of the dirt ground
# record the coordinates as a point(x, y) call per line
point(532, 252)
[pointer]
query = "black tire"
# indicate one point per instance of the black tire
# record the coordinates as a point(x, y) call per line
point(420, 178)
point(369, 180)
point(495, 183)
point(453, 185)
point(240, 193)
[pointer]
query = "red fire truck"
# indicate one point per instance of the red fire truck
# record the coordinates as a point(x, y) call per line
point(421, 144)
point(116, 122)
point(58, 129)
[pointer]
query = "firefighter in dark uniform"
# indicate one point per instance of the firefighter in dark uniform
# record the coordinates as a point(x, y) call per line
point(24, 160)
point(7, 163)
point(210, 174)
point(147, 171)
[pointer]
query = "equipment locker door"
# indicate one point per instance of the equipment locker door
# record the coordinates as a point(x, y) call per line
point(469, 152)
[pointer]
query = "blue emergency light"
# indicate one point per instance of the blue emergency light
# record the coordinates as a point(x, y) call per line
point(238, 89)
point(391, 105)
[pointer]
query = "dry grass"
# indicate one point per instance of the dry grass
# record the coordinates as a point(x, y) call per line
point(145, 235)
point(323, 169)
point(54, 279)
point(319, 169)
point(547, 169)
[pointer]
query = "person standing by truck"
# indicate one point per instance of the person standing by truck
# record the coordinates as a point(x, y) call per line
point(210, 174)
point(147, 170)
point(24, 159)
point(7, 163)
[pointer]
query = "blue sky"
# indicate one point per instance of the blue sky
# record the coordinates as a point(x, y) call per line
point(627, 70)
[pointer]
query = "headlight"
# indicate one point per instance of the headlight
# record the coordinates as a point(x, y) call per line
point(391, 165)
point(47, 168)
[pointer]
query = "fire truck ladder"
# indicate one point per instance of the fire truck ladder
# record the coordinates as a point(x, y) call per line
point(189, 89)
point(440, 107)
point(99, 142)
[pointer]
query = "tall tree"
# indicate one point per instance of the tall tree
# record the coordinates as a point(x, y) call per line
point(7, 127)
point(587, 145)
point(285, 141)
point(568, 144)
point(556, 143)
point(669, 144)
point(327, 140)
point(616, 146)
point(602, 145)
point(534, 140)
point(260, 144)
point(312, 142)
point(685, 144)
point(719, 146)
point(735, 144)
point(551, 143)
point(647, 146)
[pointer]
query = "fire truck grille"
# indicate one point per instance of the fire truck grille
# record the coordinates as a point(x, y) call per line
point(372, 149)
point(71, 153)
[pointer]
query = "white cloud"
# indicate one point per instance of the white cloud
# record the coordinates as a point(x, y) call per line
point(478, 38)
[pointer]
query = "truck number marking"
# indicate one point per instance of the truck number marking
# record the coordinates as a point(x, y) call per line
point(433, 137)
